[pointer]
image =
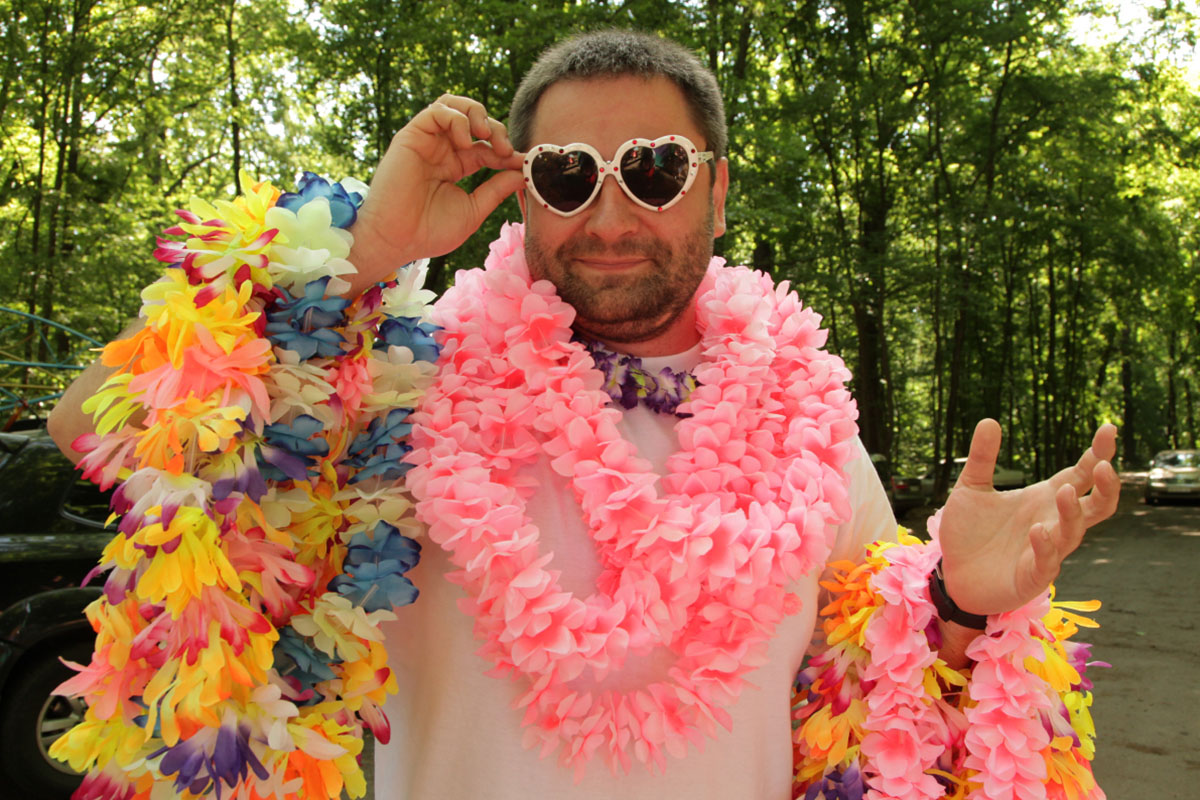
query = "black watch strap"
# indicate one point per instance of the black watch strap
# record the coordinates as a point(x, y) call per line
point(946, 608)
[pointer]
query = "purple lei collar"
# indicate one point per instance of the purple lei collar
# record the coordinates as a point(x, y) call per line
point(628, 383)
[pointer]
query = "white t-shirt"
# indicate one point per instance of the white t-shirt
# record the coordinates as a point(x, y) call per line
point(455, 734)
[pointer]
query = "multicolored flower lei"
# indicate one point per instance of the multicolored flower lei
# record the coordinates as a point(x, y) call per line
point(257, 424)
point(879, 715)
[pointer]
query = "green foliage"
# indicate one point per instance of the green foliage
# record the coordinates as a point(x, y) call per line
point(994, 219)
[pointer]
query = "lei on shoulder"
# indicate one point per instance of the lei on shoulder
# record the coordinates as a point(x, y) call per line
point(877, 714)
point(256, 425)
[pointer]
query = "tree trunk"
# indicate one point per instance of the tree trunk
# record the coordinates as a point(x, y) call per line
point(234, 126)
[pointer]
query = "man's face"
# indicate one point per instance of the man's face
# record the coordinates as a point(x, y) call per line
point(630, 272)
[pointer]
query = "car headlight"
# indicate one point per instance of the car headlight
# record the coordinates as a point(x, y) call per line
point(1158, 474)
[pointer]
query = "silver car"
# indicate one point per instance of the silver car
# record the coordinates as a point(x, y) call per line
point(1173, 473)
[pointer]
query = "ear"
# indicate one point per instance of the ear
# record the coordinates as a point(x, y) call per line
point(720, 188)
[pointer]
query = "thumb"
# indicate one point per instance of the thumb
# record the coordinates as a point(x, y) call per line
point(492, 192)
point(981, 458)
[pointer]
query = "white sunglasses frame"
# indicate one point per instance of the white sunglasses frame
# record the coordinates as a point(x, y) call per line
point(612, 168)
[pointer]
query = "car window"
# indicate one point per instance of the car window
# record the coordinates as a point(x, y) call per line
point(41, 492)
point(1187, 459)
point(85, 503)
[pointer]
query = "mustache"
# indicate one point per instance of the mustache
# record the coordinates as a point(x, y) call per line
point(648, 249)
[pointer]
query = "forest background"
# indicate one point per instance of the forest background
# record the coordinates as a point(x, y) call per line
point(996, 211)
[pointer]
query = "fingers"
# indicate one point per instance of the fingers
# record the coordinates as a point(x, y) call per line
point(1054, 542)
point(1082, 475)
point(1045, 557)
point(464, 121)
point(1104, 443)
point(1101, 502)
point(981, 459)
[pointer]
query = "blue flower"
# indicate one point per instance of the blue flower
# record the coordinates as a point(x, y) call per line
point(305, 324)
point(300, 662)
point(289, 450)
point(375, 567)
point(409, 332)
point(375, 586)
point(379, 451)
point(385, 543)
point(343, 205)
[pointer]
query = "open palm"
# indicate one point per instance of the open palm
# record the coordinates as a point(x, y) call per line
point(1002, 549)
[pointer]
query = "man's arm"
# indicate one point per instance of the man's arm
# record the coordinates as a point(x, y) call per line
point(68, 421)
point(414, 210)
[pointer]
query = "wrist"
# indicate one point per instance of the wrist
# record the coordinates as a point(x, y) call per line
point(374, 257)
point(947, 610)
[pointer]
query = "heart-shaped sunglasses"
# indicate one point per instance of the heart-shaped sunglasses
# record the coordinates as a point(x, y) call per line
point(654, 173)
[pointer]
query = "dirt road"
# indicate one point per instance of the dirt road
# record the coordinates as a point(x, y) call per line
point(1144, 564)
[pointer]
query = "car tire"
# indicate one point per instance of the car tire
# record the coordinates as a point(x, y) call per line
point(32, 717)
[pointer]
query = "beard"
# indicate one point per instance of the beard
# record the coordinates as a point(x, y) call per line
point(625, 308)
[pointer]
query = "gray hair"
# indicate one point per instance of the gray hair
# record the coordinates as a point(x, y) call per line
point(619, 53)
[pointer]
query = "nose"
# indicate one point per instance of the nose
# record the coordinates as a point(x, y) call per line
point(612, 214)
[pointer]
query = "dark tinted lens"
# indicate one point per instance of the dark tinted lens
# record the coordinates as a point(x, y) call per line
point(564, 180)
point(655, 175)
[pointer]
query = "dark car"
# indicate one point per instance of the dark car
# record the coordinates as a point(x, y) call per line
point(52, 530)
point(906, 493)
point(1174, 474)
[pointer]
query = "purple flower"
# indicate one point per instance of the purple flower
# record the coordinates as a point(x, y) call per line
point(246, 479)
point(343, 205)
point(409, 332)
point(1078, 654)
point(628, 383)
point(836, 785)
point(200, 762)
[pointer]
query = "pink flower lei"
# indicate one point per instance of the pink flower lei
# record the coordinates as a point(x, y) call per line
point(750, 503)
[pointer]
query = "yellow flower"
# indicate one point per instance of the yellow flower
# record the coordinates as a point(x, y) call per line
point(361, 677)
point(172, 310)
point(176, 578)
point(337, 626)
point(831, 739)
point(96, 742)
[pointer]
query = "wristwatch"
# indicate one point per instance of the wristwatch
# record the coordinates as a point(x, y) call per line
point(947, 610)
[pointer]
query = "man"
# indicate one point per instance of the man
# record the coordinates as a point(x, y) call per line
point(602, 679)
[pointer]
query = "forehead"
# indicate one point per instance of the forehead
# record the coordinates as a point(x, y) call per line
point(605, 112)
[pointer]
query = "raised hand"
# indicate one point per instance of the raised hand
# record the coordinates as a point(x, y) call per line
point(1002, 549)
point(415, 209)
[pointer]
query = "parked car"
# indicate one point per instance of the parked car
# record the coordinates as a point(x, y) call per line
point(1003, 478)
point(906, 493)
point(1173, 474)
point(52, 530)
point(883, 469)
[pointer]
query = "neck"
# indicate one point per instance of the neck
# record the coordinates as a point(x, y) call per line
point(680, 336)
